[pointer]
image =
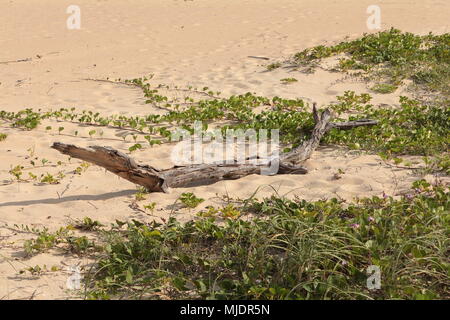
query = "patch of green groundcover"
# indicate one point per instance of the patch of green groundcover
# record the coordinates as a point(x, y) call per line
point(392, 56)
point(289, 249)
point(384, 88)
point(414, 128)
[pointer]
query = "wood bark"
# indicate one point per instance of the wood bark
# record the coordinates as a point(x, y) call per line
point(155, 180)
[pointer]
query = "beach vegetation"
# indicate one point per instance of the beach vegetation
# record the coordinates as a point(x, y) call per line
point(289, 249)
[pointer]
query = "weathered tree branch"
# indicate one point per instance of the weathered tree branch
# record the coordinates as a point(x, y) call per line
point(160, 180)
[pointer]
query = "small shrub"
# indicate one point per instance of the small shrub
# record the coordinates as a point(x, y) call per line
point(189, 200)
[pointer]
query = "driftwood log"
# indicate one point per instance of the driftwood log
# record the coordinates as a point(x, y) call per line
point(155, 180)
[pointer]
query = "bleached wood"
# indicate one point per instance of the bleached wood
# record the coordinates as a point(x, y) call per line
point(155, 180)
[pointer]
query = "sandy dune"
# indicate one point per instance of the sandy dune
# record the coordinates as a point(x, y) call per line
point(198, 43)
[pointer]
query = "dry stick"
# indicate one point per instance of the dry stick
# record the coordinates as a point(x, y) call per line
point(130, 84)
point(155, 180)
point(258, 57)
point(16, 61)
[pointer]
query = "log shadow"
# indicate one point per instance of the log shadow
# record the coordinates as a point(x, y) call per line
point(87, 197)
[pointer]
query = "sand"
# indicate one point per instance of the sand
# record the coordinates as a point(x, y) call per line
point(199, 43)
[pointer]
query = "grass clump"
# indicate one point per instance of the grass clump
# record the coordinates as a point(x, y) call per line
point(288, 80)
point(3, 136)
point(273, 66)
point(384, 88)
point(291, 249)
